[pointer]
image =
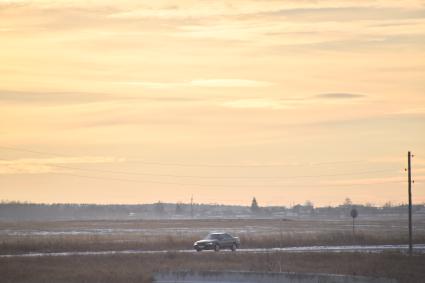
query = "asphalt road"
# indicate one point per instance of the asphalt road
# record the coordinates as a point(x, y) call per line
point(420, 248)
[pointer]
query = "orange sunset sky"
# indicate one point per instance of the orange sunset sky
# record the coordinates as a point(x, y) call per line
point(140, 101)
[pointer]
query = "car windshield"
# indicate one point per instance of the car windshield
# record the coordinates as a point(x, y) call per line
point(212, 237)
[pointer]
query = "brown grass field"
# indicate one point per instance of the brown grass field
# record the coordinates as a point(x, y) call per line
point(65, 236)
point(62, 236)
point(140, 268)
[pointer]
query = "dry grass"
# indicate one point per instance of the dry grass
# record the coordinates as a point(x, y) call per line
point(180, 234)
point(328, 238)
point(17, 245)
point(139, 268)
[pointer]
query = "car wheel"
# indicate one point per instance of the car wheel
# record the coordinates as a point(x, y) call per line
point(233, 248)
point(216, 248)
point(198, 250)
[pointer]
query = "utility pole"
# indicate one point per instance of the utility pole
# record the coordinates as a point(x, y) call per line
point(191, 206)
point(280, 244)
point(354, 214)
point(409, 180)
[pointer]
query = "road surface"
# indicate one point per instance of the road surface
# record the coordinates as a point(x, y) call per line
point(420, 248)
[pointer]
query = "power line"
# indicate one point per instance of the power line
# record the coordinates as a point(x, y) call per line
point(189, 176)
point(244, 165)
point(219, 177)
point(210, 185)
point(206, 177)
point(206, 185)
point(198, 164)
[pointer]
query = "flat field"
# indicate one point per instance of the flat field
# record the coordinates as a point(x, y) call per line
point(66, 236)
point(140, 268)
point(171, 235)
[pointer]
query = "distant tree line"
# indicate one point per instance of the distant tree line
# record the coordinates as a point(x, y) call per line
point(16, 211)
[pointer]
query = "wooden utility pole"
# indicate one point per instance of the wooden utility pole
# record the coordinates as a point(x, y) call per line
point(354, 214)
point(191, 207)
point(409, 180)
point(280, 244)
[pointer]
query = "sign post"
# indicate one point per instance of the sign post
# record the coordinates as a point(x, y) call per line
point(354, 214)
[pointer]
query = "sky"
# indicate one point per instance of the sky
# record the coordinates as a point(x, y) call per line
point(146, 101)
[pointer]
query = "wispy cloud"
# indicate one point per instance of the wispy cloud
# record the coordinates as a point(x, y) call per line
point(49, 165)
point(336, 33)
point(229, 83)
point(195, 10)
point(289, 103)
point(202, 83)
point(340, 95)
point(254, 103)
point(412, 110)
point(71, 98)
point(52, 97)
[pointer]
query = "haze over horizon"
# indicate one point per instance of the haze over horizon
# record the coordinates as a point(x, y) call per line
point(141, 101)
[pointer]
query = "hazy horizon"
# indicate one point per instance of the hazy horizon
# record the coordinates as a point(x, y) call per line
point(140, 101)
point(247, 204)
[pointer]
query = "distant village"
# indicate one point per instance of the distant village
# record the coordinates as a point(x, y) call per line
point(19, 211)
